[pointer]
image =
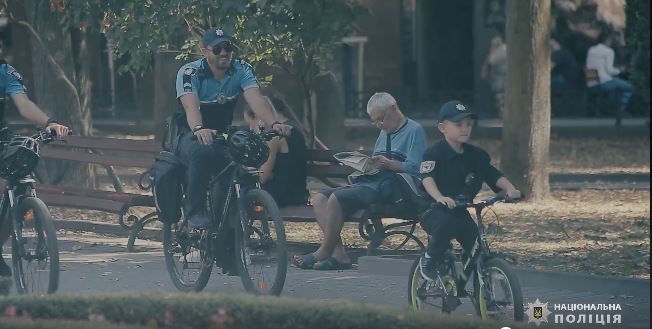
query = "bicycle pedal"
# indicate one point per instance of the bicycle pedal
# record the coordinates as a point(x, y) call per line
point(450, 303)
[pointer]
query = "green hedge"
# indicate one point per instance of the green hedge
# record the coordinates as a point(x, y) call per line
point(61, 324)
point(233, 311)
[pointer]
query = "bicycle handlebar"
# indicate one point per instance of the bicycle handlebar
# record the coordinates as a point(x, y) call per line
point(265, 135)
point(490, 201)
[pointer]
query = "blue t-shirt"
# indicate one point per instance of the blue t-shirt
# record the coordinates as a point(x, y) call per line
point(11, 82)
point(217, 97)
point(407, 146)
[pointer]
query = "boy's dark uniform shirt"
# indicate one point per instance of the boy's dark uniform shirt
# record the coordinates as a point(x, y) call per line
point(459, 175)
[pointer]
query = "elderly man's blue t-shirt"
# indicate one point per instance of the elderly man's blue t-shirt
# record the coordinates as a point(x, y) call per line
point(10, 82)
point(407, 145)
point(217, 97)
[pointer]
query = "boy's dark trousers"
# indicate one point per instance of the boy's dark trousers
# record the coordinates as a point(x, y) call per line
point(444, 224)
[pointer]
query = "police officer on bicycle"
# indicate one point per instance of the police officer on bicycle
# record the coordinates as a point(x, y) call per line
point(207, 90)
point(11, 85)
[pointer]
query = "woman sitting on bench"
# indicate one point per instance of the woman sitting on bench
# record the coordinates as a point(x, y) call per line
point(284, 173)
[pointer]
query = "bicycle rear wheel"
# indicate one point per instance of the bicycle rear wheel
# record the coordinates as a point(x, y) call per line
point(500, 297)
point(262, 257)
point(429, 296)
point(35, 255)
point(187, 256)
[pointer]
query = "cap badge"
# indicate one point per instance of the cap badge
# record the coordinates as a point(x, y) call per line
point(219, 32)
point(460, 107)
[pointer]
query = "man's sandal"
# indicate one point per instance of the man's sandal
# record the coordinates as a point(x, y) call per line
point(305, 262)
point(331, 264)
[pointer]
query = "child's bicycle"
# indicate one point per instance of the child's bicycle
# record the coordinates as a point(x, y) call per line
point(35, 253)
point(496, 289)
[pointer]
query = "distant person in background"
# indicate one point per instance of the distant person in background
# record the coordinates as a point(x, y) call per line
point(495, 69)
point(565, 69)
point(600, 57)
point(284, 173)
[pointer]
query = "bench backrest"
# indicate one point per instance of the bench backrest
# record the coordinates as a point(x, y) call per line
point(141, 153)
point(104, 151)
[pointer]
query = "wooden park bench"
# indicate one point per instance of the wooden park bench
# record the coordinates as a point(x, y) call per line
point(106, 152)
point(110, 152)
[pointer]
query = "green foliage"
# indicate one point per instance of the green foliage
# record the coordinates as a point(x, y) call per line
point(222, 311)
point(638, 40)
point(27, 323)
point(276, 32)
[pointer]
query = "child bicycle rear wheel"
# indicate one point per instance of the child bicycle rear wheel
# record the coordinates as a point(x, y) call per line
point(35, 254)
point(429, 296)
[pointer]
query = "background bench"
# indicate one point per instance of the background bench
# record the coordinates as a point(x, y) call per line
point(106, 152)
point(110, 152)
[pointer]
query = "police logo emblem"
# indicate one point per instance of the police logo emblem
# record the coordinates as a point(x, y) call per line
point(460, 107)
point(189, 71)
point(538, 312)
point(470, 178)
point(426, 167)
point(219, 32)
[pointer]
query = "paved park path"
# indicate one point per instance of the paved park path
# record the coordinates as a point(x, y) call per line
point(93, 263)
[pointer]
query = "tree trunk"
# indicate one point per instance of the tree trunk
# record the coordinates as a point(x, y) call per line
point(165, 96)
point(330, 112)
point(526, 132)
point(63, 90)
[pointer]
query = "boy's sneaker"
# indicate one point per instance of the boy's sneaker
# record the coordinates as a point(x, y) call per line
point(428, 268)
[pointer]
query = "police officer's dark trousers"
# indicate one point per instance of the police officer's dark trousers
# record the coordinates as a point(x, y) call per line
point(201, 162)
point(444, 224)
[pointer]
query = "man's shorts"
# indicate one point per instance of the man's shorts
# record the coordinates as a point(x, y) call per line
point(353, 197)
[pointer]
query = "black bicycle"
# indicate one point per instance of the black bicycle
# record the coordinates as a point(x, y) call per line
point(246, 236)
point(496, 289)
point(35, 252)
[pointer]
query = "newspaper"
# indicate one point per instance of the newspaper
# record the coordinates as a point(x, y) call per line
point(358, 161)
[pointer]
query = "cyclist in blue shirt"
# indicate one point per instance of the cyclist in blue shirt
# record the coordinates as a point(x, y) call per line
point(207, 90)
point(11, 85)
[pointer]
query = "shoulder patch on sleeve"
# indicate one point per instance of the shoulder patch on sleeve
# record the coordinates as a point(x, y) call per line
point(189, 71)
point(426, 167)
point(16, 75)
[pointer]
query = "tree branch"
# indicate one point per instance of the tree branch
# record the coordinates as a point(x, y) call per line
point(58, 71)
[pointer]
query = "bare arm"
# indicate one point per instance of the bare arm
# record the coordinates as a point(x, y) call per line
point(190, 103)
point(259, 105)
point(29, 110)
point(505, 185)
point(268, 167)
point(431, 187)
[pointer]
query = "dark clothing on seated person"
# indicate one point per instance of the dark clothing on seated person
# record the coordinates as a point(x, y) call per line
point(288, 181)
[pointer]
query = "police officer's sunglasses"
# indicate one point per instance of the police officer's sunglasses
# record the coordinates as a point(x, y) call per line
point(227, 46)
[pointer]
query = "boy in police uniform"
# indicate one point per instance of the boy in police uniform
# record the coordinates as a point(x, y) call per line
point(454, 170)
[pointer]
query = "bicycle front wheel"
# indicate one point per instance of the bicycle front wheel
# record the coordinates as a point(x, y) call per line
point(262, 257)
point(499, 296)
point(35, 254)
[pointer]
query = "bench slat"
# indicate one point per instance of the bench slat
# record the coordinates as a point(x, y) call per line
point(332, 171)
point(102, 143)
point(75, 201)
point(306, 214)
point(102, 159)
point(131, 199)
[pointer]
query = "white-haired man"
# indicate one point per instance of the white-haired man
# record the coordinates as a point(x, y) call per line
point(399, 148)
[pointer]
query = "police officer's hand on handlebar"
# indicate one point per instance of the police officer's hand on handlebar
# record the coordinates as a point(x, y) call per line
point(205, 136)
point(57, 129)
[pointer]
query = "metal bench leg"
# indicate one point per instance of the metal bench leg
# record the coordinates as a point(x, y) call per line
point(137, 227)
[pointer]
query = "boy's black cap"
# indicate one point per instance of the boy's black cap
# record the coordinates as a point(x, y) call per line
point(214, 36)
point(454, 111)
